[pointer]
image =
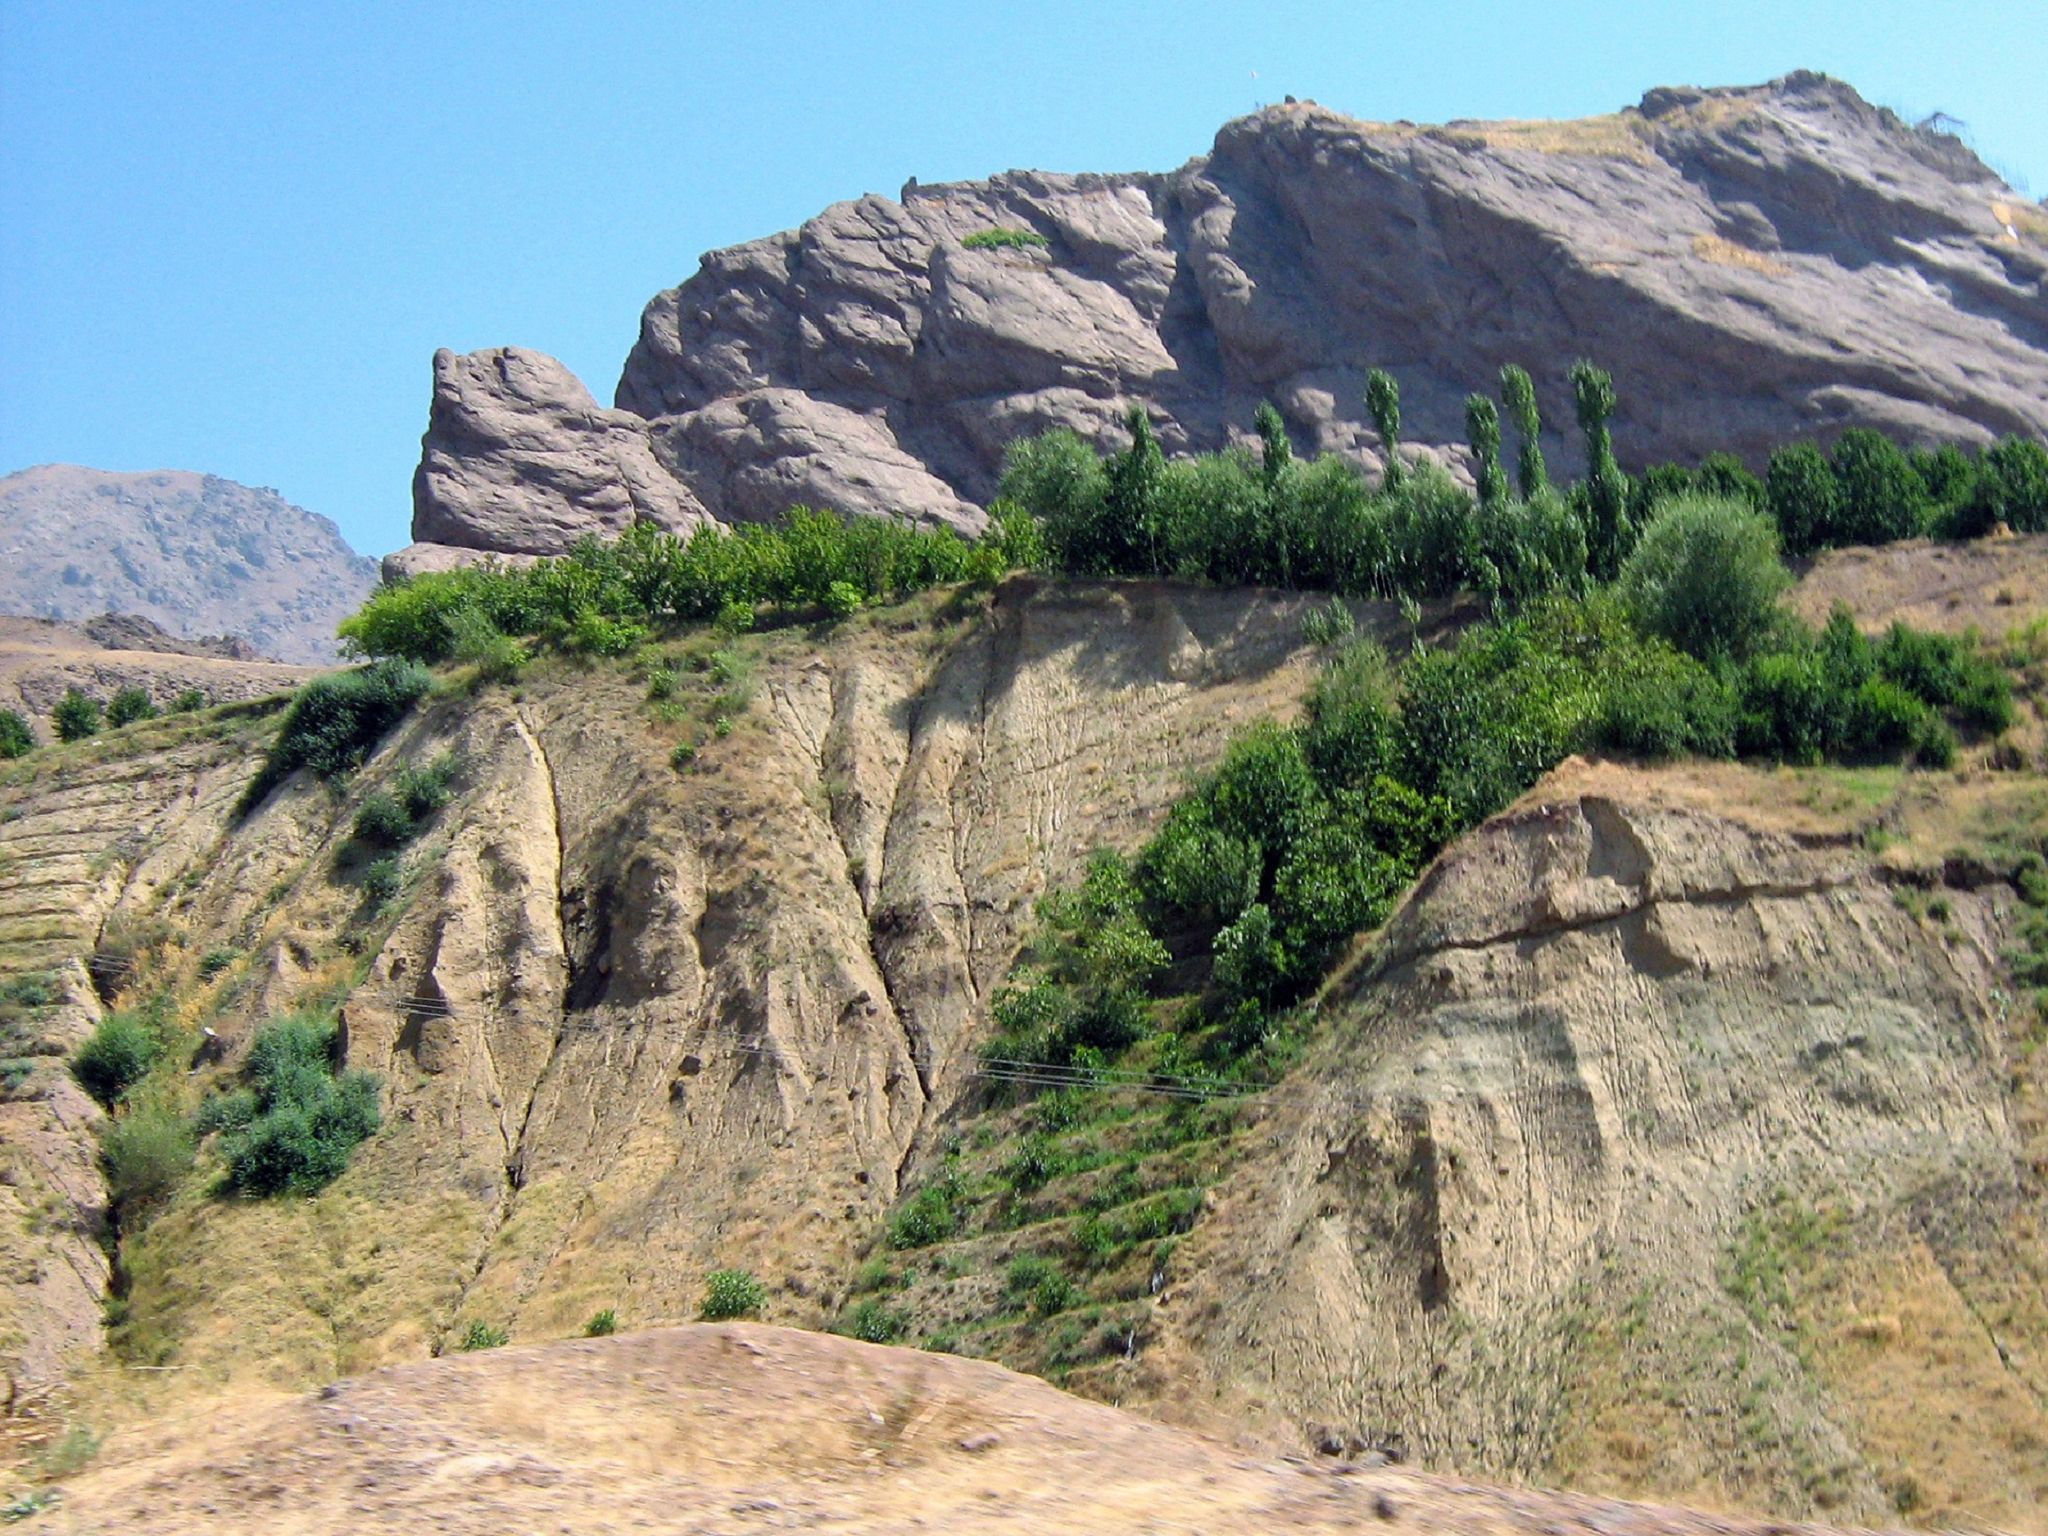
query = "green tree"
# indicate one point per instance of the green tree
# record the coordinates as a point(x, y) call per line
point(2011, 488)
point(17, 739)
point(1706, 576)
point(77, 715)
point(1383, 404)
point(128, 705)
point(1882, 495)
point(1276, 461)
point(1803, 499)
point(1608, 532)
point(1518, 394)
point(1134, 503)
point(1482, 434)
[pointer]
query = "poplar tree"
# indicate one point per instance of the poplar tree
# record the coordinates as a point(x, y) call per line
point(1518, 394)
point(1383, 403)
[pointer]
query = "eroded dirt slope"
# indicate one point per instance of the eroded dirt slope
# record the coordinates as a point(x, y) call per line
point(745, 1428)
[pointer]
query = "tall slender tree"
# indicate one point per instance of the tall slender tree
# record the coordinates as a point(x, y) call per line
point(1135, 478)
point(1482, 433)
point(1518, 394)
point(1383, 403)
point(1276, 456)
point(1607, 537)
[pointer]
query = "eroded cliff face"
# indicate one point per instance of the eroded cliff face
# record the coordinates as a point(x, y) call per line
point(1655, 1148)
point(1751, 264)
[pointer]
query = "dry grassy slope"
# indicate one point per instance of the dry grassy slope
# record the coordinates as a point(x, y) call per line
point(1659, 1147)
point(677, 1020)
point(111, 822)
point(741, 1428)
point(41, 660)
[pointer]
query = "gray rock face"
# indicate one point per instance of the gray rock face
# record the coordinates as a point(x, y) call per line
point(195, 554)
point(1752, 265)
point(518, 459)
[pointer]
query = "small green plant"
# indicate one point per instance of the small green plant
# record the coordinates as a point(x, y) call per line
point(146, 1155)
point(1003, 238)
point(383, 879)
point(873, 1321)
point(842, 600)
point(732, 1293)
point(683, 756)
point(28, 1505)
point(383, 822)
point(17, 739)
point(129, 705)
point(116, 1056)
point(1329, 625)
point(77, 715)
point(473, 640)
point(482, 1335)
point(1040, 1284)
point(78, 1446)
point(602, 1325)
point(188, 702)
point(661, 683)
point(214, 961)
point(928, 1217)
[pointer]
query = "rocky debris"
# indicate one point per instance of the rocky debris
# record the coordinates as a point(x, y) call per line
point(1752, 264)
point(190, 554)
point(518, 459)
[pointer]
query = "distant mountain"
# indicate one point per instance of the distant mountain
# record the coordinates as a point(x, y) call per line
point(197, 554)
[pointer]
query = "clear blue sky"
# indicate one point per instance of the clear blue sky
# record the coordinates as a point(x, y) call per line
point(231, 235)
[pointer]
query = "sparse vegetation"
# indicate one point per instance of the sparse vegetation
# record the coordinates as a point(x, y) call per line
point(335, 722)
point(77, 715)
point(482, 1335)
point(298, 1122)
point(117, 1055)
point(129, 705)
point(1003, 238)
point(730, 1293)
point(601, 1325)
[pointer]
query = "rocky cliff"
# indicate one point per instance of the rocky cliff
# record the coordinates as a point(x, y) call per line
point(196, 554)
point(1751, 264)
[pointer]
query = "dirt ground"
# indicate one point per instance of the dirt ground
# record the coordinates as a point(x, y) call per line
point(741, 1427)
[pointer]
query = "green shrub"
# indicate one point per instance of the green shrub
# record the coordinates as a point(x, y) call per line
point(1802, 497)
point(187, 701)
point(873, 1321)
point(482, 1335)
point(1882, 497)
point(1002, 237)
point(730, 1293)
point(1034, 1164)
point(929, 1216)
point(1659, 703)
point(602, 1325)
point(334, 722)
point(1705, 575)
point(129, 705)
point(304, 1122)
point(1948, 673)
point(2011, 487)
point(425, 788)
point(1329, 625)
point(1039, 1284)
point(77, 715)
point(842, 600)
point(383, 879)
point(117, 1055)
point(683, 756)
point(146, 1155)
point(383, 821)
point(17, 739)
point(214, 961)
point(473, 640)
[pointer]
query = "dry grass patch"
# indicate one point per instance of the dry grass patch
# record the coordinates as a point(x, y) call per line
point(1726, 253)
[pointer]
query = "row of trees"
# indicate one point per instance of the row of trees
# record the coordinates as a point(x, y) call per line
point(1265, 517)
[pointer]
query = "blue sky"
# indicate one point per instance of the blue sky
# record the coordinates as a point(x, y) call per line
point(231, 235)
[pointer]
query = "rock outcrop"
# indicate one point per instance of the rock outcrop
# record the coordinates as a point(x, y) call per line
point(1752, 264)
point(196, 554)
point(519, 460)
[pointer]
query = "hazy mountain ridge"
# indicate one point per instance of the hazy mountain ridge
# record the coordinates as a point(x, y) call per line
point(197, 554)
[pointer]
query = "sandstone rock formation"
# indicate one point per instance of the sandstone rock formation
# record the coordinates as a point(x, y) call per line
point(197, 554)
point(519, 460)
point(1752, 264)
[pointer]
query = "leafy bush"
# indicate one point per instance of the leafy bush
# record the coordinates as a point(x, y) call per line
point(1882, 497)
point(1039, 1284)
point(2011, 488)
point(129, 705)
point(1661, 703)
point(187, 701)
point(16, 737)
point(303, 1121)
point(482, 1335)
point(602, 1325)
point(473, 640)
point(115, 1056)
point(1802, 497)
point(334, 722)
point(1329, 625)
point(732, 1293)
point(1001, 238)
point(425, 788)
point(77, 715)
point(1705, 575)
point(146, 1156)
point(383, 821)
point(383, 879)
point(873, 1321)
point(929, 1216)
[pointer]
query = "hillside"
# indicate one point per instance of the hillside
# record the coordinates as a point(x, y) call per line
point(710, 1429)
point(1675, 1117)
point(197, 554)
point(1751, 265)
